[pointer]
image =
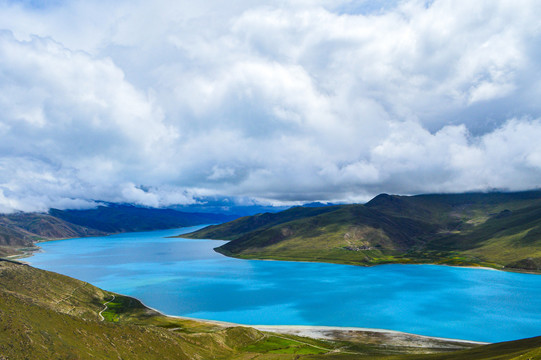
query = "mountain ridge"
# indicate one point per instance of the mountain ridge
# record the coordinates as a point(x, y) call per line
point(499, 230)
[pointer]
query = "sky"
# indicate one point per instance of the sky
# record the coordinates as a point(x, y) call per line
point(164, 102)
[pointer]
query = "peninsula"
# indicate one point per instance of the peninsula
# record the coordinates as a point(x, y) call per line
point(498, 230)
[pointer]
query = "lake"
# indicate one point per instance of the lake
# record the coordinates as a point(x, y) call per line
point(187, 278)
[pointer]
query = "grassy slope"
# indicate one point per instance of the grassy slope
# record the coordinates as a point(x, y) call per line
point(234, 229)
point(350, 233)
point(45, 315)
point(505, 238)
point(495, 229)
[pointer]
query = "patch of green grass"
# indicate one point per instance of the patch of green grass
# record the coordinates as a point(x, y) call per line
point(125, 308)
point(111, 314)
point(279, 345)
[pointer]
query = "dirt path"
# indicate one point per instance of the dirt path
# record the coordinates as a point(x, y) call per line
point(70, 294)
point(105, 308)
point(302, 342)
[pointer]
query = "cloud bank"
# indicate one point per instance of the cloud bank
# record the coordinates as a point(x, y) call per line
point(165, 102)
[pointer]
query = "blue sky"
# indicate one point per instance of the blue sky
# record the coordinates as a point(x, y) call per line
point(164, 102)
point(37, 4)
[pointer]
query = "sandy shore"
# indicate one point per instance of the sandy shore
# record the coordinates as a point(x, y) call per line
point(331, 332)
point(336, 332)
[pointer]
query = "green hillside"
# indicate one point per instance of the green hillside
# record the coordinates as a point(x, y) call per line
point(44, 315)
point(234, 229)
point(500, 230)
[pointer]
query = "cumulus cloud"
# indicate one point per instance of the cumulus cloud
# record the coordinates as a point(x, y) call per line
point(161, 103)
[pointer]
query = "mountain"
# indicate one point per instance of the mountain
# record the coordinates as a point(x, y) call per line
point(44, 315)
point(124, 218)
point(237, 206)
point(501, 230)
point(22, 230)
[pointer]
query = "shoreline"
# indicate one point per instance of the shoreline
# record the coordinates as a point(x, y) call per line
point(309, 330)
point(25, 253)
point(503, 269)
point(323, 329)
point(28, 252)
point(318, 331)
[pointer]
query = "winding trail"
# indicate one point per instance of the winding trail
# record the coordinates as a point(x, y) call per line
point(304, 343)
point(105, 308)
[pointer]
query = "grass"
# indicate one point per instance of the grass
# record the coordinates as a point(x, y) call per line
point(126, 308)
point(272, 344)
point(112, 311)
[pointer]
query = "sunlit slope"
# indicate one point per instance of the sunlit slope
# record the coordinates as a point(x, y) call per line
point(44, 315)
point(492, 229)
point(350, 233)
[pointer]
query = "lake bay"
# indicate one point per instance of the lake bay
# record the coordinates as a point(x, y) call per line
point(187, 278)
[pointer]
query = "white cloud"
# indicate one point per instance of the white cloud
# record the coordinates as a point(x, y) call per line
point(158, 103)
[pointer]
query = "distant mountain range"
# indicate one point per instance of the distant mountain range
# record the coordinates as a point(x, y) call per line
point(23, 229)
point(235, 206)
point(500, 230)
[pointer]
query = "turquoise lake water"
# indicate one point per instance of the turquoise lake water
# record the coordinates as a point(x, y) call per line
point(187, 278)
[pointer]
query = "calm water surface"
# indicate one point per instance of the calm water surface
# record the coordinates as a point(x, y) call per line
point(186, 277)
